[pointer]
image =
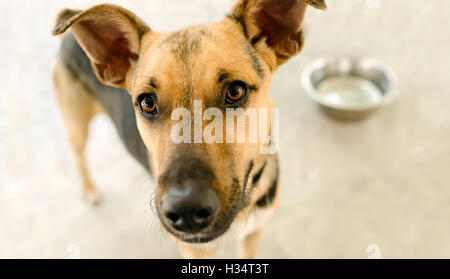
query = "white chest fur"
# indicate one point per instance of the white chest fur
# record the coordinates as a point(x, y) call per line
point(255, 221)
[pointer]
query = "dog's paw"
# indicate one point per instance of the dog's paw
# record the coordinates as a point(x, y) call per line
point(92, 198)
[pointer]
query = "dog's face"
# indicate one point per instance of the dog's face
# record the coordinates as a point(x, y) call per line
point(202, 184)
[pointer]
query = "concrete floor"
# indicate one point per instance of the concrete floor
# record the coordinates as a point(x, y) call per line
point(376, 188)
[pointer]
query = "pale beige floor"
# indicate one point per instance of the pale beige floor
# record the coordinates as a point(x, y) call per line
point(381, 183)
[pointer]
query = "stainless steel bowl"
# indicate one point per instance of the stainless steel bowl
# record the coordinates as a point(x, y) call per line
point(349, 88)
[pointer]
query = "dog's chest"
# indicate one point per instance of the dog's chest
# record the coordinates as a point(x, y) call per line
point(255, 221)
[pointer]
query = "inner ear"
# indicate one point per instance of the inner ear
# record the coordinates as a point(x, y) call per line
point(281, 22)
point(278, 23)
point(111, 37)
point(110, 50)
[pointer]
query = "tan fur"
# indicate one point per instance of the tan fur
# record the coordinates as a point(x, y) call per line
point(192, 252)
point(78, 110)
point(249, 245)
point(185, 65)
point(160, 64)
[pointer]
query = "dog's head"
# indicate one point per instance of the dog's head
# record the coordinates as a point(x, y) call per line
point(185, 86)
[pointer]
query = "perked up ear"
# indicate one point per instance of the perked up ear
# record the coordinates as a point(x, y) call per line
point(274, 24)
point(110, 36)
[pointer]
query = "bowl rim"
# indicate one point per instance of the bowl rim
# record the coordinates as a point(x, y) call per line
point(321, 62)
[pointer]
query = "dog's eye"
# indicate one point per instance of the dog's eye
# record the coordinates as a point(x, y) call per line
point(147, 104)
point(236, 91)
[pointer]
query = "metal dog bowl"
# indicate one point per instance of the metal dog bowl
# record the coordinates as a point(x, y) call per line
point(348, 88)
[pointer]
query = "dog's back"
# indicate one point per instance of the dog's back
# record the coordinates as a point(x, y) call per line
point(116, 102)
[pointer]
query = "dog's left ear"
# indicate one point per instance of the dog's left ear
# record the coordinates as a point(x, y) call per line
point(274, 27)
point(111, 37)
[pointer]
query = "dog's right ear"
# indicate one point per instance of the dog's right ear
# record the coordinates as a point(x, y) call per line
point(274, 27)
point(110, 36)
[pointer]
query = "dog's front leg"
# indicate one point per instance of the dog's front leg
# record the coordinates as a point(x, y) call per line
point(191, 252)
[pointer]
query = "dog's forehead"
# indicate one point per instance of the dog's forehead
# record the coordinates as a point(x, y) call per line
point(189, 61)
point(186, 43)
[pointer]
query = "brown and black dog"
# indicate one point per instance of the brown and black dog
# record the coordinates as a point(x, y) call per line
point(205, 190)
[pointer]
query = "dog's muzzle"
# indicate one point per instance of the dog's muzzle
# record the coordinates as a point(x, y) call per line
point(189, 208)
point(188, 204)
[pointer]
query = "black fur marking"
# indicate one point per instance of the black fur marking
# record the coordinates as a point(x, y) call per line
point(281, 56)
point(222, 76)
point(153, 83)
point(256, 39)
point(239, 19)
point(257, 176)
point(268, 198)
point(187, 48)
point(183, 44)
point(117, 102)
point(247, 174)
point(254, 60)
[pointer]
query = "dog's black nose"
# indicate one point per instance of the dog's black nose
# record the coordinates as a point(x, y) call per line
point(190, 208)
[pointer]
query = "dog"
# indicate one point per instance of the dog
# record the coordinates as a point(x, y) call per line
point(203, 190)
